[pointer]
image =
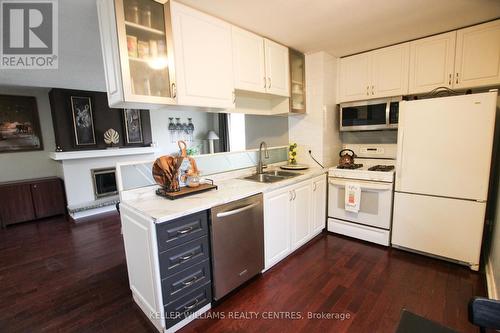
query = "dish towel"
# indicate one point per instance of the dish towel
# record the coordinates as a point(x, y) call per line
point(352, 197)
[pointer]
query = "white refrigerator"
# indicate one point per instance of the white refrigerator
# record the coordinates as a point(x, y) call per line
point(442, 175)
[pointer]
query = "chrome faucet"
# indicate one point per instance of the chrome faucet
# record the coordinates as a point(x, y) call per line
point(260, 165)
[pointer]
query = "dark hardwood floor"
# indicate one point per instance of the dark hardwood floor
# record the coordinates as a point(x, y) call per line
point(56, 276)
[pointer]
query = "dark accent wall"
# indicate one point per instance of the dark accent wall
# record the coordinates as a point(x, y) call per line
point(104, 119)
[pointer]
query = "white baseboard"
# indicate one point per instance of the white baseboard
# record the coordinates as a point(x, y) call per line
point(490, 280)
point(86, 213)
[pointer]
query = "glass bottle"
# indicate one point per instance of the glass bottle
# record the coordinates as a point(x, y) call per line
point(146, 17)
point(190, 127)
point(171, 129)
point(132, 13)
point(184, 132)
point(178, 129)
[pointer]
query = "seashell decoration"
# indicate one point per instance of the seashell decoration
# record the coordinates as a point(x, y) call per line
point(111, 137)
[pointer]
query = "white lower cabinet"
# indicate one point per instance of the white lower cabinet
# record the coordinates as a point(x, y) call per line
point(293, 215)
point(277, 225)
point(319, 204)
point(301, 209)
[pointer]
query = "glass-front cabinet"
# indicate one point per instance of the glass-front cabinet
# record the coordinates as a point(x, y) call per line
point(297, 82)
point(136, 38)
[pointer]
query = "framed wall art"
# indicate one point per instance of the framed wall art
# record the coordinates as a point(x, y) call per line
point(19, 124)
point(133, 126)
point(83, 121)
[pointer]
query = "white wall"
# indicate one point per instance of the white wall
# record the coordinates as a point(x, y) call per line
point(318, 130)
point(272, 129)
point(21, 165)
point(80, 59)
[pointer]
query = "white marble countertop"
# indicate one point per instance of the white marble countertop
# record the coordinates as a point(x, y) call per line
point(145, 202)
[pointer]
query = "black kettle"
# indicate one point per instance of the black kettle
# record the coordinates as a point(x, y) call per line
point(346, 157)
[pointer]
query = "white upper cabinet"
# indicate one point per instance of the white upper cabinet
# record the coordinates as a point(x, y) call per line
point(248, 61)
point(159, 53)
point(375, 74)
point(203, 57)
point(431, 63)
point(260, 65)
point(477, 61)
point(137, 46)
point(466, 58)
point(355, 77)
point(390, 71)
point(277, 68)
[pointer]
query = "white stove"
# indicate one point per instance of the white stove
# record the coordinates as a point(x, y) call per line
point(363, 173)
point(372, 222)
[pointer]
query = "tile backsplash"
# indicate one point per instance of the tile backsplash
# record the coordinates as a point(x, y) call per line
point(139, 174)
point(390, 136)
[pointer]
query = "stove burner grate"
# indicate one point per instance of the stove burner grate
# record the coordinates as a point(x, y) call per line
point(384, 168)
point(350, 166)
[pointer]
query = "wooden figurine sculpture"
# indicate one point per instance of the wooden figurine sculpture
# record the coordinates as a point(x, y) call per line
point(166, 170)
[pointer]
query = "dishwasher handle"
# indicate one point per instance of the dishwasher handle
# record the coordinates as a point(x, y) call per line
point(237, 210)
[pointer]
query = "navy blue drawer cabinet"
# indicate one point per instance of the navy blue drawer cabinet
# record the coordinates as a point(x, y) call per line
point(185, 269)
point(186, 280)
point(183, 256)
point(187, 304)
point(181, 230)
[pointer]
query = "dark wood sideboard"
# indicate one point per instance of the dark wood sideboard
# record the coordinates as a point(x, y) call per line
point(32, 199)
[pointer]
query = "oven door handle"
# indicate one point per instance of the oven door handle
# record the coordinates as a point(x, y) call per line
point(364, 185)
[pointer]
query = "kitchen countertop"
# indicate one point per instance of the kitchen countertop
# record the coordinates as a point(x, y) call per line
point(145, 201)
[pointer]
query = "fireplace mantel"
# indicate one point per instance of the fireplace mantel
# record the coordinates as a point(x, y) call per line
point(98, 153)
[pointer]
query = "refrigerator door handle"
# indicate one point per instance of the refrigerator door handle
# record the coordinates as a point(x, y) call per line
point(399, 161)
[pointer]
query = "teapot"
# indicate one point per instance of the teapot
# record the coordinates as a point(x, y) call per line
point(346, 157)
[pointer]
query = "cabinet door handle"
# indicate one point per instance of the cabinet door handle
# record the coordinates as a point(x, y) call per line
point(449, 79)
point(190, 282)
point(189, 307)
point(265, 83)
point(372, 91)
point(174, 90)
point(367, 90)
point(456, 81)
point(35, 186)
point(184, 231)
point(184, 258)
point(290, 196)
point(294, 195)
point(269, 82)
point(314, 186)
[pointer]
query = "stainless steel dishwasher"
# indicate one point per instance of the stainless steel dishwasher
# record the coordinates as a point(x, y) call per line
point(237, 243)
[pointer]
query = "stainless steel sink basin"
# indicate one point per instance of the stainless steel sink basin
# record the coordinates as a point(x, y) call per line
point(286, 174)
point(272, 176)
point(264, 178)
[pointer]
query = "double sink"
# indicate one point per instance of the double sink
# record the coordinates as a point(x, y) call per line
point(272, 176)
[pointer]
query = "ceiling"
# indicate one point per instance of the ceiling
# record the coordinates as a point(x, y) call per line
point(343, 27)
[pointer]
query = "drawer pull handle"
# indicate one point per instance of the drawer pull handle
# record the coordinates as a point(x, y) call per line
point(189, 307)
point(190, 282)
point(189, 256)
point(184, 231)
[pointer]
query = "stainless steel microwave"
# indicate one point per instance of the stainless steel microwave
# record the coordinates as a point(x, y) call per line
point(375, 114)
